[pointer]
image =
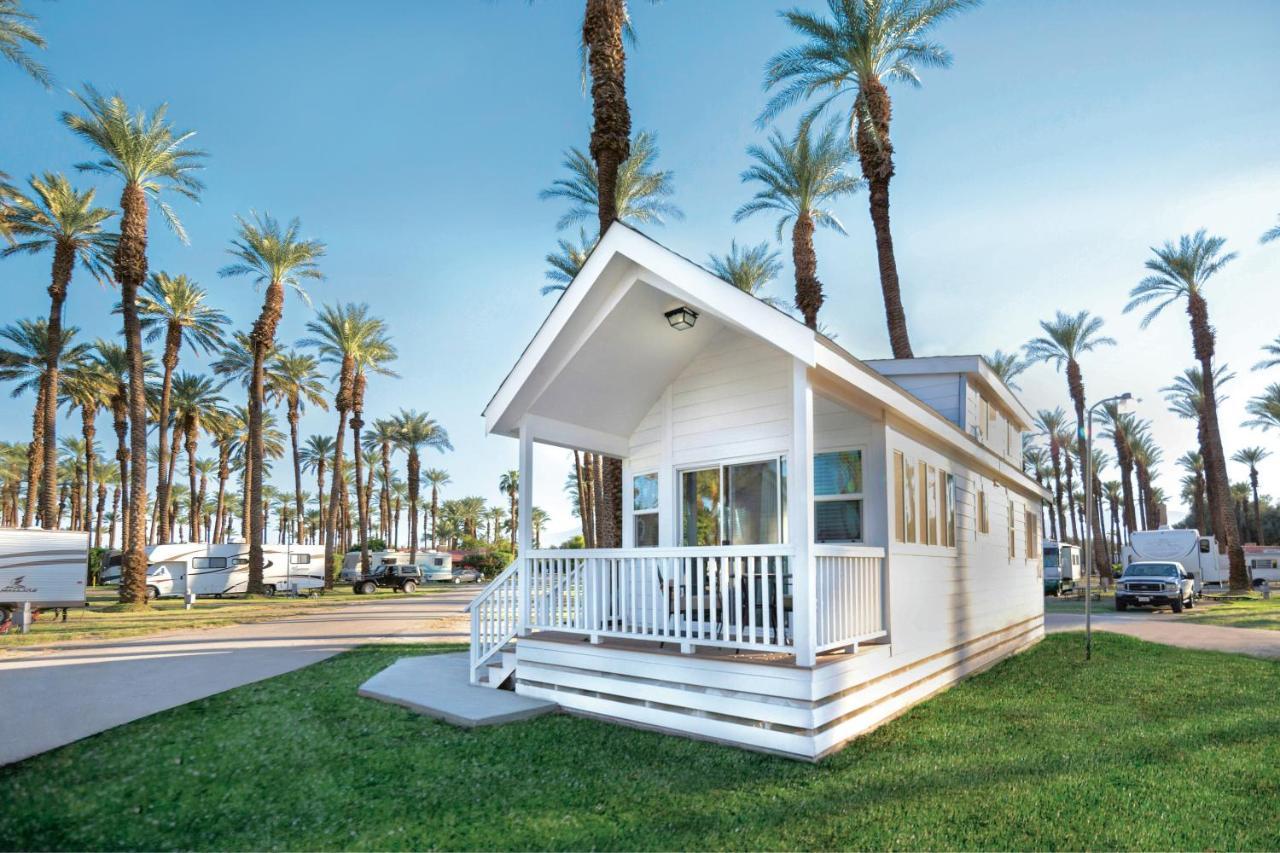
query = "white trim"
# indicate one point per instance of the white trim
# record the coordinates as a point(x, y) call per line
point(573, 437)
point(804, 585)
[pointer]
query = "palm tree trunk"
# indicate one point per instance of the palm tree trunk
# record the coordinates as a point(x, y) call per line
point(1088, 480)
point(362, 502)
point(88, 429)
point(294, 415)
point(224, 472)
point(35, 460)
point(875, 153)
point(164, 468)
point(131, 271)
point(602, 27)
point(100, 511)
point(64, 259)
point(320, 492)
point(808, 288)
point(193, 513)
point(1071, 499)
point(586, 502)
point(116, 497)
point(1124, 458)
point(413, 465)
point(334, 519)
point(1055, 456)
point(1257, 505)
point(263, 337)
point(435, 517)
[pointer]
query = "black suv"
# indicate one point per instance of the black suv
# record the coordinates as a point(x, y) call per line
point(400, 578)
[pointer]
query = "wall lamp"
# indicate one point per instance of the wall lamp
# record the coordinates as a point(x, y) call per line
point(682, 318)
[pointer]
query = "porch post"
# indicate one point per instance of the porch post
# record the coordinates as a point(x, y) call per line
point(800, 516)
point(524, 527)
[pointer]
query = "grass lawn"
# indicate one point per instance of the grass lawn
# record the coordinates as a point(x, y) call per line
point(1147, 747)
point(1071, 604)
point(1252, 612)
point(103, 621)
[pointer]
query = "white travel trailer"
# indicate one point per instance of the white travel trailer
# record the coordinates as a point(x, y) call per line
point(224, 569)
point(42, 568)
point(1197, 554)
point(1063, 567)
point(1263, 563)
point(811, 543)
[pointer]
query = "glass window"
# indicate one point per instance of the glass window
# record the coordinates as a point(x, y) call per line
point(753, 515)
point(208, 562)
point(299, 559)
point(909, 501)
point(1031, 522)
point(929, 485)
point(899, 493)
point(239, 561)
point(947, 498)
point(837, 485)
point(983, 522)
point(700, 507)
point(644, 503)
point(1012, 552)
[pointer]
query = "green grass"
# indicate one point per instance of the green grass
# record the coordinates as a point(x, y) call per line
point(1147, 747)
point(1252, 612)
point(106, 621)
point(1072, 604)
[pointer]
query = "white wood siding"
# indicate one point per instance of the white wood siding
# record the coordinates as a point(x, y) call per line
point(939, 391)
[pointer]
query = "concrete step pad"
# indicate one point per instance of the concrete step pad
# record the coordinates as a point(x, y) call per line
point(438, 687)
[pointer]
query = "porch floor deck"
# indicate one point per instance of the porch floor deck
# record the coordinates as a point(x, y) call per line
point(438, 686)
point(705, 652)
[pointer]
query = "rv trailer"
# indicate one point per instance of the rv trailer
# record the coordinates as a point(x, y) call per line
point(1198, 555)
point(1063, 567)
point(224, 569)
point(42, 568)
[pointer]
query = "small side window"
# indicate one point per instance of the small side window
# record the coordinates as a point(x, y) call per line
point(1204, 546)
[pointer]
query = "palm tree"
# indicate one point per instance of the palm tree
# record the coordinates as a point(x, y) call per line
point(1179, 272)
point(642, 189)
point(470, 511)
point(374, 355)
point(16, 33)
point(25, 364)
point(174, 307)
point(114, 360)
point(1114, 495)
point(341, 334)
point(60, 218)
point(1265, 408)
point(1146, 456)
point(1116, 426)
point(1185, 396)
point(1067, 338)
point(863, 45)
point(800, 178)
point(438, 478)
point(381, 439)
point(539, 519)
point(314, 458)
point(151, 159)
point(509, 484)
point(415, 431)
point(276, 256)
point(564, 263)
point(748, 268)
point(88, 388)
point(1251, 457)
point(1193, 463)
point(603, 26)
point(1049, 424)
point(196, 404)
point(1272, 233)
point(1273, 355)
point(1008, 366)
point(294, 378)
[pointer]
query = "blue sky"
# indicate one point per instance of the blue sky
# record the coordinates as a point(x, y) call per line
point(413, 138)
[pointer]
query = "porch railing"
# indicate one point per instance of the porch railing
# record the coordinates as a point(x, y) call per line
point(850, 595)
point(495, 617)
point(734, 597)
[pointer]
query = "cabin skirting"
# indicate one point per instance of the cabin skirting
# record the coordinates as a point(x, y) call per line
point(798, 712)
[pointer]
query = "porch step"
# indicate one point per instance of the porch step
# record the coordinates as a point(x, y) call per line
point(437, 686)
point(498, 671)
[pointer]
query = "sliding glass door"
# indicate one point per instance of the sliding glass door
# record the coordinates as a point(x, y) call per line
point(739, 504)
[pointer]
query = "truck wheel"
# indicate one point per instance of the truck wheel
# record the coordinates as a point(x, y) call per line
point(409, 587)
point(457, 580)
point(357, 589)
point(368, 587)
point(1122, 605)
point(152, 593)
point(1191, 601)
point(1177, 604)
point(269, 590)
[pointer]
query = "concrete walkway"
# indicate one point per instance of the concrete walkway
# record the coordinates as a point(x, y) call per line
point(1172, 630)
point(438, 686)
point(51, 696)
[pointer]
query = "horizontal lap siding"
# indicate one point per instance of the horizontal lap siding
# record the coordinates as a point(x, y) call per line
point(646, 441)
point(940, 597)
point(939, 391)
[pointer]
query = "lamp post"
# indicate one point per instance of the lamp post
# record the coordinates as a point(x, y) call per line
point(1123, 402)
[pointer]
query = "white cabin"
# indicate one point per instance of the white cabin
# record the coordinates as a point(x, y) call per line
point(811, 543)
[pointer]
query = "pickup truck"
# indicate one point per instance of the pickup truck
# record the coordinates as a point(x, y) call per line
point(1155, 584)
point(401, 578)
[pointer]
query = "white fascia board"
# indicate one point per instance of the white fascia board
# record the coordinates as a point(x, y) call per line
point(573, 437)
point(911, 411)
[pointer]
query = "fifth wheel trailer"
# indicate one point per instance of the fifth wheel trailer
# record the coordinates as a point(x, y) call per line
point(42, 568)
point(224, 569)
point(1198, 555)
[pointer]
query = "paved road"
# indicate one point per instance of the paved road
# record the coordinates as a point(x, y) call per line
point(1172, 630)
point(53, 696)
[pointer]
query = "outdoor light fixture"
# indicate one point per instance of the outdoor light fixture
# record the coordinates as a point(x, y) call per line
point(682, 318)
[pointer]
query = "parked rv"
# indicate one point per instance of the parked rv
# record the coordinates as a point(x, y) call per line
point(1263, 563)
point(224, 569)
point(1197, 555)
point(43, 568)
point(1063, 567)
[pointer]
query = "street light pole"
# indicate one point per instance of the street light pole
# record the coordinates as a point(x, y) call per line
point(1087, 465)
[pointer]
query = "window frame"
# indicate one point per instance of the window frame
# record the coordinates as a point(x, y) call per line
point(779, 458)
point(637, 513)
point(844, 497)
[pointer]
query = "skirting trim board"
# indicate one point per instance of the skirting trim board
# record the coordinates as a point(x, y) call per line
point(582, 682)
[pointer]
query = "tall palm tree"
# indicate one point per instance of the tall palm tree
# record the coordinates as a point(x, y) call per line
point(1066, 338)
point(373, 357)
point(1114, 495)
point(58, 217)
point(1146, 456)
point(340, 334)
point(114, 360)
point(603, 26)
point(1265, 408)
point(173, 306)
point(294, 378)
point(860, 47)
point(748, 268)
point(1193, 463)
point(196, 404)
point(1185, 396)
point(25, 363)
point(509, 484)
point(1252, 457)
point(1008, 366)
point(275, 255)
point(801, 177)
point(564, 263)
point(1049, 424)
point(539, 518)
point(381, 439)
point(88, 387)
point(314, 458)
point(151, 159)
point(17, 33)
point(1179, 272)
point(416, 431)
point(437, 478)
point(1116, 426)
point(642, 194)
